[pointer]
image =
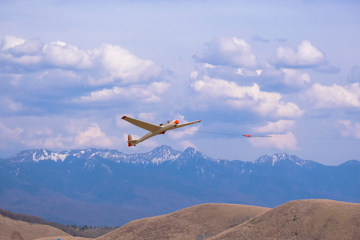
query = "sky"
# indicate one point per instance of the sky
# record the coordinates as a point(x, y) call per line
point(69, 70)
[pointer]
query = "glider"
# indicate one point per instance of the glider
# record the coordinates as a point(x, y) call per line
point(247, 135)
point(153, 129)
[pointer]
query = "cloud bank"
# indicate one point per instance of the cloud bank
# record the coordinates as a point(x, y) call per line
point(335, 96)
point(101, 66)
point(306, 56)
point(246, 97)
point(224, 51)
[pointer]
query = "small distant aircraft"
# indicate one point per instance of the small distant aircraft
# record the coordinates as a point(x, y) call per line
point(247, 135)
point(153, 129)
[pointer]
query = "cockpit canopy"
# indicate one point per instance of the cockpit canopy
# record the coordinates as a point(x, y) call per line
point(164, 123)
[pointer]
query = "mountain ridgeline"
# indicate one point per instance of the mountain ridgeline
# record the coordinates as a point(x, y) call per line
point(105, 187)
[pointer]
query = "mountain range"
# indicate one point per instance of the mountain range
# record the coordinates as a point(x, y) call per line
point(106, 187)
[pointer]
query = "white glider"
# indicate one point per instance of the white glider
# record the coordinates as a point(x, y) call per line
point(153, 129)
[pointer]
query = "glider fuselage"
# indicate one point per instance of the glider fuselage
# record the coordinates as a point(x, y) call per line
point(161, 130)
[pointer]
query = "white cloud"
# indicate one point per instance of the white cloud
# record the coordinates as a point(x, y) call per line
point(120, 63)
point(46, 131)
point(32, 53)
point(295, 77)
point(147, 116)
point(8, 105)
point(50, 143)
point(55, 133)
point(349, 129)
point(247, 97)
point(13, 79)
point(247, 73)
point(100, 66)
point(237, 74)
point(275, 127)
point(306, 56)
point(208, 65)
point(279, 141)
point(176, 134)
point(28, 47)
point(102, 95)
point(93, 136)
point(146, 94)
point(286, 80)
point(159, 87)
point(24, 60)
point(59, 77)
point(232, 52)
point(186, 143)
point(62, 55)
point(10, 133)
point(11, 41)
point(194, 74)
point(334, 96)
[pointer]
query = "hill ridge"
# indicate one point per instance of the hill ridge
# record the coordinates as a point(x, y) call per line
point(301, 219)
point(196, 222)
point(298, 219)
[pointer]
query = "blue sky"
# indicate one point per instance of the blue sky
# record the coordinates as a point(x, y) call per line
point(290, 69)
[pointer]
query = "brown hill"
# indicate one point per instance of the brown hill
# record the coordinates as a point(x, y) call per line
point(301, 219)
point(198, 222)
point(19, 230)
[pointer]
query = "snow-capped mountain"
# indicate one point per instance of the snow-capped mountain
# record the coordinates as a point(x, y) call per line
point(157, 156)
point(36, 155)
point(279, 158)
point(107, 187)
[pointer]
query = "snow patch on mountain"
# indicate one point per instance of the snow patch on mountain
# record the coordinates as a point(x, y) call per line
point(37, 155)
point(108, 169)
point(46, 156)
point(276, 159)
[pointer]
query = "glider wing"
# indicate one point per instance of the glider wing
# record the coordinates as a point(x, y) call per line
point(184, 124)
point(145, 125)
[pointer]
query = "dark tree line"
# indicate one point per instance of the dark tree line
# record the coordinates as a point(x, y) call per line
point(76, 231)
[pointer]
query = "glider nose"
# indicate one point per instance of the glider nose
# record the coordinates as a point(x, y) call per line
point(176, 121)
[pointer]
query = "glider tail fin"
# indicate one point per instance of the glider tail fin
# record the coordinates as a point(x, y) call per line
point(131, 141)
